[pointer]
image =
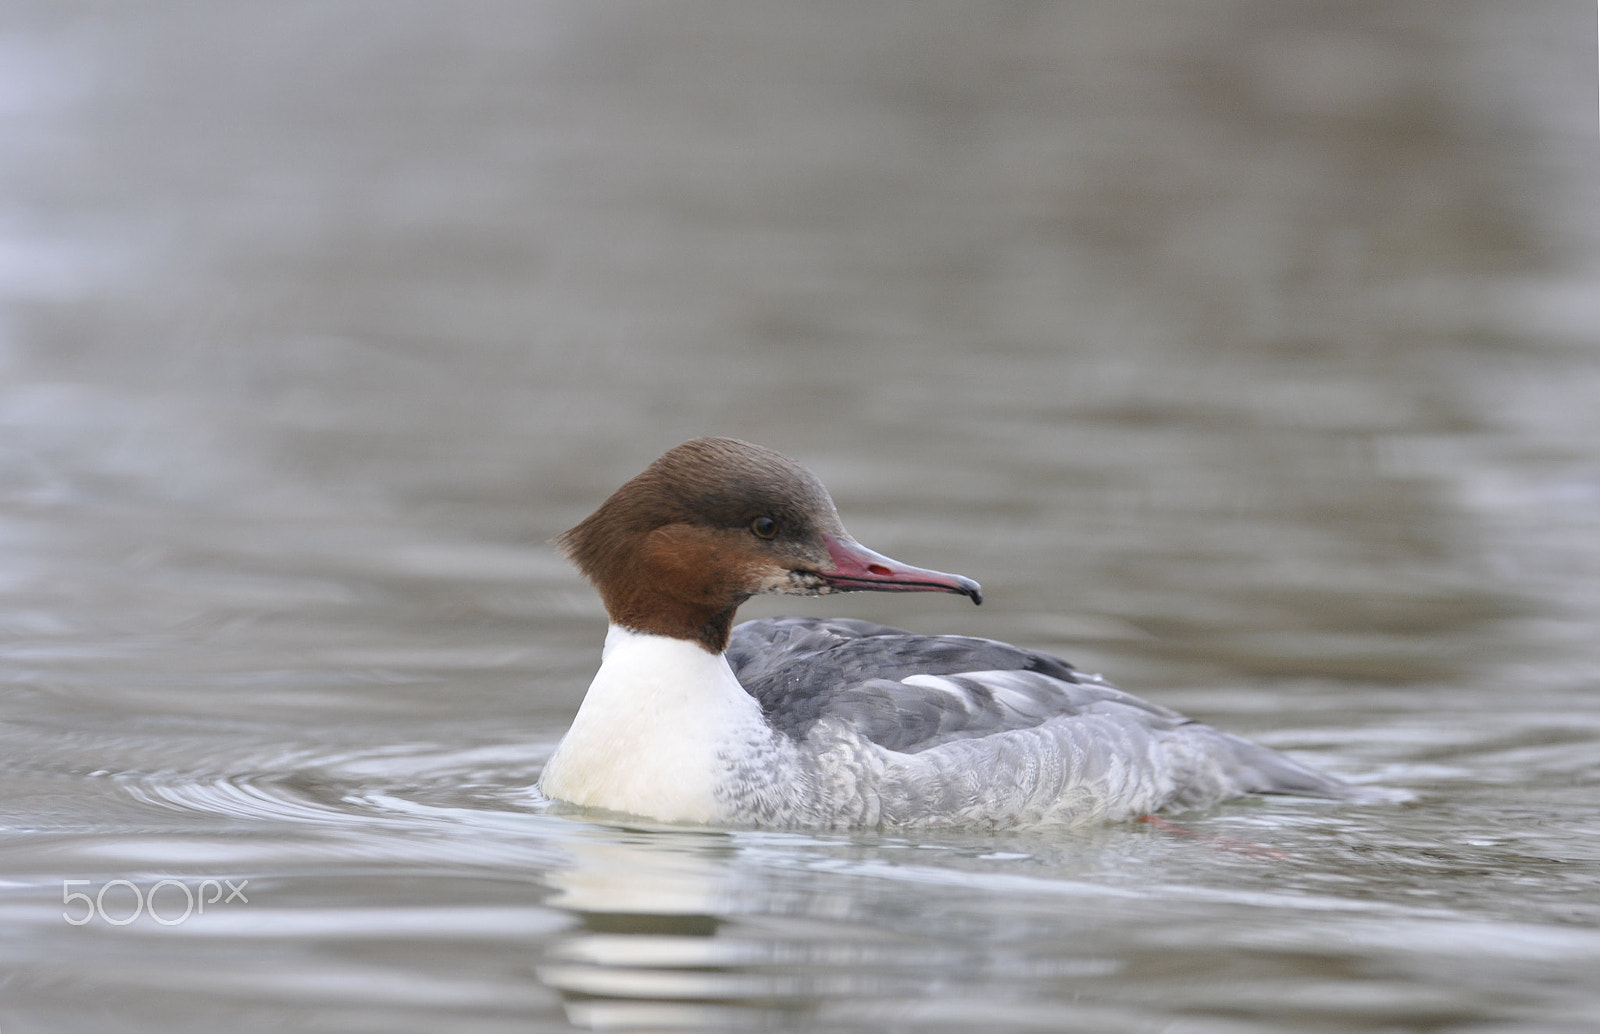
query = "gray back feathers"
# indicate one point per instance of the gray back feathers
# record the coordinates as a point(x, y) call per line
point(925, 695)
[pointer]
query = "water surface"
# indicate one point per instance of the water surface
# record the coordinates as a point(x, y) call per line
point(1246, 354)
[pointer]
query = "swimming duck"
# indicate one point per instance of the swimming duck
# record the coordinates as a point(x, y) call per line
point(834, 723)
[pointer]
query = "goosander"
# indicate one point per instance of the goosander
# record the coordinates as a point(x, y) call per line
point(799, 722)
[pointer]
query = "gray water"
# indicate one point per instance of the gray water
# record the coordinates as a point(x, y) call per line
point(1248, 353)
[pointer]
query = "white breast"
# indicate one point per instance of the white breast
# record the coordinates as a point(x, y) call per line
point(655, 731)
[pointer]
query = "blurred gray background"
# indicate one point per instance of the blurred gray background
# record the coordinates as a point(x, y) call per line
point(1247, 352)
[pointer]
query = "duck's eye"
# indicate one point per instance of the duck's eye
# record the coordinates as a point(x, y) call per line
point(764, 527)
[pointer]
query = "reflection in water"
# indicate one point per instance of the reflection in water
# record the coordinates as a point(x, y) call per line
point(671, 936)
point(646, 952)
point(691, 931)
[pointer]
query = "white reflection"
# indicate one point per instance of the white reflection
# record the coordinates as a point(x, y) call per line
point(651, 949)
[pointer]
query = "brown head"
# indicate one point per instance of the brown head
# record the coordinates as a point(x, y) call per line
point(716, 521)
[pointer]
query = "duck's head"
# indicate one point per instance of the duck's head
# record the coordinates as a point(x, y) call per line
point(711, 523)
